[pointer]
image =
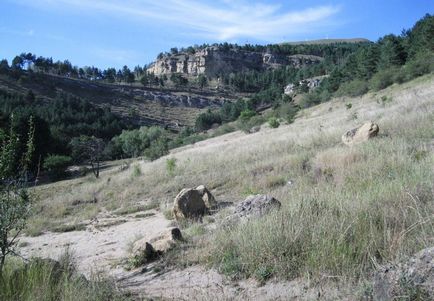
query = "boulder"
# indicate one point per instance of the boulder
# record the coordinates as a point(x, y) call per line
point(412, 279)
point(360, 134)
point(207, 197)
point(256, 206)
point(193, 203)
point(189, 204)
point(149, 249)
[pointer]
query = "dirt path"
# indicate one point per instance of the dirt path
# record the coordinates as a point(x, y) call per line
point(101, 246)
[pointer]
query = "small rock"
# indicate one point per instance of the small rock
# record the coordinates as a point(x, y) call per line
point(360, 134)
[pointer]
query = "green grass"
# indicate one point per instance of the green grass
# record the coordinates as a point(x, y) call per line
point(47, 280)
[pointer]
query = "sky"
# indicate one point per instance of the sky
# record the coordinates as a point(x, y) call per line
point(114, 33)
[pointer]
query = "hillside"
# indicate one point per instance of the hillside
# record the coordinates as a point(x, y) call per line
point(346, 211)
point(172, 108)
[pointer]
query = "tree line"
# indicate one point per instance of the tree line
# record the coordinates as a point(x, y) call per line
point(351, 71)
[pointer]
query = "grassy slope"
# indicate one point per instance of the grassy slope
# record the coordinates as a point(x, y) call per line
point(127, 101)
point(348, 210)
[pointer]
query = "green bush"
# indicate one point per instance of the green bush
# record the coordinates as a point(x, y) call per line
point(273, 122)
point(247, 114)
point(383, 78)
point(247, 125)
point(171, 165)
point(157, 149)
point(353, 88)
point(56, 166)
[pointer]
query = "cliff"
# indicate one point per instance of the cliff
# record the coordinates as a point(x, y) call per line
point(213, 61)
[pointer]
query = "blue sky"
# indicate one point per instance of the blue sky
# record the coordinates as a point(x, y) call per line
point(107, 33)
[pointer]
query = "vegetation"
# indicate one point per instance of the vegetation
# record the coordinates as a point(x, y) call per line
point(14, 198)
point(56, 123)
point(56, 166)
point(346, 211)
point(353, 69)
point(45, 279)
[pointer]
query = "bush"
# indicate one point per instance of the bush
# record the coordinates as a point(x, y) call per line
point(247, 114)
point(56, 166)
point(206, 120)
point(157, 149)
point(171, 165)
point(421, 65)
point(382, 79)
point(273, 122)
point(247, 125)
point(353, 88)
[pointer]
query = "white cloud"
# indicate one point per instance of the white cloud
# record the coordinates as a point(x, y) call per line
point(222, 20)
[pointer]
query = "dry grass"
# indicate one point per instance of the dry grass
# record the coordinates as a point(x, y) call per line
point(347, 210)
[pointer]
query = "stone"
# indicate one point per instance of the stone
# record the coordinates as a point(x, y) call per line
point(256, 206)
point(360, 134)
point(207, 197)
point(411, 278)
point(188, 204)
point(149, 249)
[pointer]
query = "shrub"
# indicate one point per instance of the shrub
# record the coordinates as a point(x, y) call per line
point(247, 114)
point(273, 122)
point(157, 149)
point(247, 125)
point(171, 165)
point(136, 171)
point(205, 120)
point(383, 78)
point(56, 166)
point(353, 88)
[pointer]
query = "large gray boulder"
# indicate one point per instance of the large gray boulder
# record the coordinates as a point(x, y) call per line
point(409, 280)
point(360, 134)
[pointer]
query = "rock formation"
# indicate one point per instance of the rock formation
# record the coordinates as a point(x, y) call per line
point(213, 61)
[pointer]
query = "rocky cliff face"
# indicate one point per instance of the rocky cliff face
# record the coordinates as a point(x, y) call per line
point(213, 61)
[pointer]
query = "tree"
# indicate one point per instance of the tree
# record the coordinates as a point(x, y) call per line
point(17, 62)
point(90, 150)
point(14, 199)
point(202, 81)
point(392, 52)
point(56, 166)
point(4, 66)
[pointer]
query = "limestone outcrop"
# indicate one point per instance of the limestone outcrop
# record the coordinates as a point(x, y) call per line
point(212, 61)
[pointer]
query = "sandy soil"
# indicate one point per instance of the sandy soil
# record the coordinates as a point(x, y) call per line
point(101, 246)
point(105, 243)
